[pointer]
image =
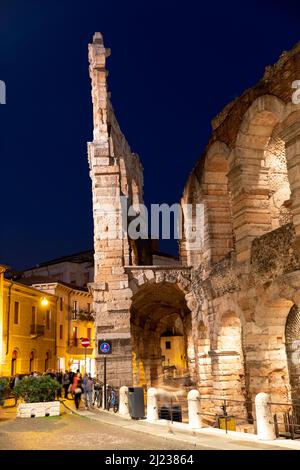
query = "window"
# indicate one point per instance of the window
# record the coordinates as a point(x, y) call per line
point(89, 333)
point(33, 315)
point(89, 308)
point(75, 306)
point(61, 304)
point(61, 332)
point(75, 335)
point(86, 278)
point(48, 317)
point(73, 278)
point(168, 344)
point(16, 313)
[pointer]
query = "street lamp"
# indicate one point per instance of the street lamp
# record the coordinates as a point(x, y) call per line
point(44, 302)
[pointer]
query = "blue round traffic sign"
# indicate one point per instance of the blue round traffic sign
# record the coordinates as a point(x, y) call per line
point(105, 347)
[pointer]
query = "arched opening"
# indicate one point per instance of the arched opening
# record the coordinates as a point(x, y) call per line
point(32, 361)
point(203, 360)
point(220, 239)
point(292, 344)
point(208, 231)
point(279, 187)
point(14, 364)
point(228, 363)
point(47, 360)
point(161, 332)
point(252, 182)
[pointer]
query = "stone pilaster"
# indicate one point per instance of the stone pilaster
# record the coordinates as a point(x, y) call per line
point(110, 290)
point(291, 136)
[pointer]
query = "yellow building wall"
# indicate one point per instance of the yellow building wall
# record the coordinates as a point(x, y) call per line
point(175, 356)
point(69, 356)
point(17, 336)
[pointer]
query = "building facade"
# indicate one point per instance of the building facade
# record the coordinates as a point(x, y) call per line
point(27, 329)
point(234, 299)
point(41, 326)
point(74, 321)
point(76, 269)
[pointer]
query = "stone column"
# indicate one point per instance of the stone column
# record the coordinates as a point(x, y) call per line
point(123, 402)
point(194, 409)
point(264, 418)
point(250, 205)
point(111, 295)
point(291, 136)
point(152, 405)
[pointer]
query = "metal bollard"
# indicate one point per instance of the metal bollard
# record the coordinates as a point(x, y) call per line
point(264, 419)
point(194, 409)
point(152, 406)
point(123, 402)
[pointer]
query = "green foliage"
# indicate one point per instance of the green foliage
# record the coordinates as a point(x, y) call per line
point(4, 387)
point(37, 389)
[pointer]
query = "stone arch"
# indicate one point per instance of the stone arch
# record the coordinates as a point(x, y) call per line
point(292, 344)
point(249, 176)
point(15, 361)
point(32, 360)
point(265, 347)
point(228, 365)
point(162, 306)
point(208, 186)
point(202, 346)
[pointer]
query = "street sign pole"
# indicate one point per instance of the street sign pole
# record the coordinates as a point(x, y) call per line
point(104, 380)
point(85, 342)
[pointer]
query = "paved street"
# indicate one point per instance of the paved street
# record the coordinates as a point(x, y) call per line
point(71, 432)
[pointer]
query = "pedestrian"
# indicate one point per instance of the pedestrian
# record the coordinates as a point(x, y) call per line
point(88, 385)
point(16, 380)
point(77, 389)
point(58, 377)
point(66, 383)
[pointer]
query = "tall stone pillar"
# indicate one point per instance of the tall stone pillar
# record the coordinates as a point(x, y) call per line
point(291, 136)
point(111, 294)
point(250, 205)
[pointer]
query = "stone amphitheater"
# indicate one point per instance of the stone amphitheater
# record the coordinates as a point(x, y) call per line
point(234, 301)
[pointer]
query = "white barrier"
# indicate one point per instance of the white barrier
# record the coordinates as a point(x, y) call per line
point(123, 402)
point(152, 405)
point(264, 418)
point(194, 409)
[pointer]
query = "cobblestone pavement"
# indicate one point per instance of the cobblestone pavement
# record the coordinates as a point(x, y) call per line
point(73, 432)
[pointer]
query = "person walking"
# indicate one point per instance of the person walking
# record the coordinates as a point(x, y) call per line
point(77, 389)
point(58, 377)
point(66, 383)
point(88, 385)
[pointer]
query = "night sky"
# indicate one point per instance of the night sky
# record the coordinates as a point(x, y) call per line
point(174, 65)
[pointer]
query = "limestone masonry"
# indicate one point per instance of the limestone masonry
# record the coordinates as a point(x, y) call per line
point(234, 303)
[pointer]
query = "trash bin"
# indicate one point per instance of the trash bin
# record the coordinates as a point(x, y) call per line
point(136, 402)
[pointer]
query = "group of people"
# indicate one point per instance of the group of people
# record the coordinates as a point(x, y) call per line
point(77, 385)
point(71, 382)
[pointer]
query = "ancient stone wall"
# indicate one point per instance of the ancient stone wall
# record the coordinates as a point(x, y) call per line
point(234, 291)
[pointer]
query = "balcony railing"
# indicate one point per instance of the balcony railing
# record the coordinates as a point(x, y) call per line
point(37, 330)
point(82, 315)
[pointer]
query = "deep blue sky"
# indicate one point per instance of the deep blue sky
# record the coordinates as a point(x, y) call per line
point(174, 65)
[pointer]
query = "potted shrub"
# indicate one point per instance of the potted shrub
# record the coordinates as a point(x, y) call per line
point(38, 396)
point(4, 387)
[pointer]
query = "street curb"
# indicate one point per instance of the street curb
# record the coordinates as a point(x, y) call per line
point(181, 436)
